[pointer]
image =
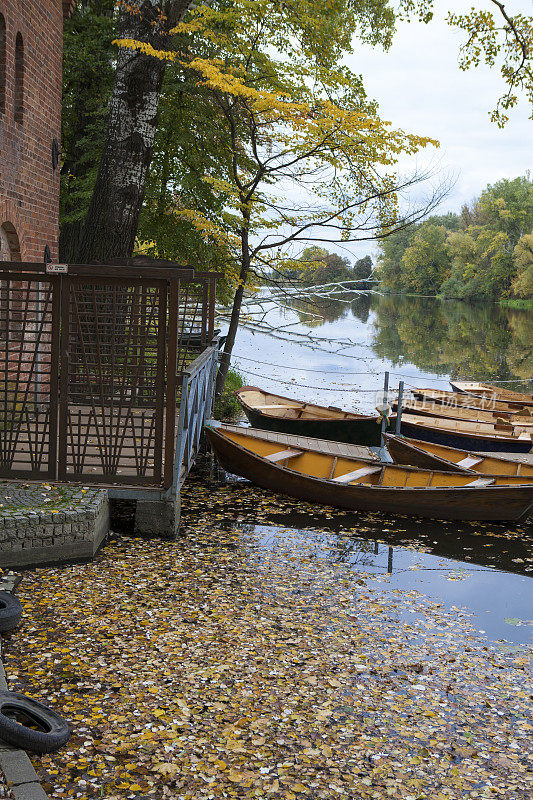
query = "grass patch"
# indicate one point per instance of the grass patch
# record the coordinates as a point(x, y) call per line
point(227, 407)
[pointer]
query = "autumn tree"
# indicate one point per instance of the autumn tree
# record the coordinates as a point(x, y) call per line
point(522, 285)
point(88, 70)
point(144, 29)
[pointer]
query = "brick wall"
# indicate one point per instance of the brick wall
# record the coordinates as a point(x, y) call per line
point(29, 186)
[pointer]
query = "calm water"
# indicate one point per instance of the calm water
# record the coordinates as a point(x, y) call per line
point(335, 353)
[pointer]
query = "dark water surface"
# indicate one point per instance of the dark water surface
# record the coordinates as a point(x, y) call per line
point(335, 353)
point(501, 602)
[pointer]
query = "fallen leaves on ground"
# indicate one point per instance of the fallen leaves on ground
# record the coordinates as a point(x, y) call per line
point(218, 667)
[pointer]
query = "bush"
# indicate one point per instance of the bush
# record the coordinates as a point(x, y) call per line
point(227, 407)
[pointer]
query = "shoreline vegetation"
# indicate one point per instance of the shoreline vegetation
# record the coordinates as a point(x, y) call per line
point(484, 253)
point(506, 302)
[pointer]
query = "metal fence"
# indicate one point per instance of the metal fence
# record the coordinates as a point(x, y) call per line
point(93, 359)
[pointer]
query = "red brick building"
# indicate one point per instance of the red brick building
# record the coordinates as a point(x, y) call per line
point(31, 46)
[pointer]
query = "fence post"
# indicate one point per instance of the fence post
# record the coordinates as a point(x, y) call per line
point(385, 401)
point(399, 409)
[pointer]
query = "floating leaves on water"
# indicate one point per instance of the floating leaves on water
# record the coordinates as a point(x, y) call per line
point(218, 666)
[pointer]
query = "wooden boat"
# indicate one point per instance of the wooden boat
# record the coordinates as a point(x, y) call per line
point(488, 390)
point(464, 400)
point(359, 484)
point(428, 408)
point(426, 455)
point(277, 413)
point(468, 435)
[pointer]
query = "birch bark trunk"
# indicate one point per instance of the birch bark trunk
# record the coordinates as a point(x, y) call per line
point(111, 224)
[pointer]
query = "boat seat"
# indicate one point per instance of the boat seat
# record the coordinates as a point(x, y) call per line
point(469, 461)
point(277, 405)
point(481, 482)
point(357, 473)
point(525, 435)
point(282, 455)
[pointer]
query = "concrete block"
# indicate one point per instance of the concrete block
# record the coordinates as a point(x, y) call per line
point(29, 791)
point(157, 518)
point(17, 767)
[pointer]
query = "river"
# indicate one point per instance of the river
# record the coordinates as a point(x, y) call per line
point(335, 352)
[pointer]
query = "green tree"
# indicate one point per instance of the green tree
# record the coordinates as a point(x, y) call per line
point(522, 285)
point(88, 69)
point(507, 207)
point(362, 270)
point(391, 251)
point(482, 264)
point(391, 269)
point(426, 262)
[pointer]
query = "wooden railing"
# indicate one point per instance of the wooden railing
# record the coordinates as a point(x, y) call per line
point(196, 405)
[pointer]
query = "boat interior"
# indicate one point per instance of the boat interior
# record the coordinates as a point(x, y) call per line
point(486, 389)
point(429, 408)
point(485, 465)
point(352, 471)
point(275, 406)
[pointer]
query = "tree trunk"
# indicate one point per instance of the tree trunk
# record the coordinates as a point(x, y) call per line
point(111, 224)
point(225, 358)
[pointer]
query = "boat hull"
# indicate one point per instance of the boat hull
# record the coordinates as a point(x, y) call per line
point(493, 503)
point(464, 441)
point(351, 431)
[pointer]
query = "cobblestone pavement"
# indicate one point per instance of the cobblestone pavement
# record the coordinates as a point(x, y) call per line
point(16, 496)
point(43, 521)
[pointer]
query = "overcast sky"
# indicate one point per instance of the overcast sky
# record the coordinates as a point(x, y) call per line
point(421, 89)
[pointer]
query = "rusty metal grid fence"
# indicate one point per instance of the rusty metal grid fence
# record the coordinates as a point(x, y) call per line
point(93, 360)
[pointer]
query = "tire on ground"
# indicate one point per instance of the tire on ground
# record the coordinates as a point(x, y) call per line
point(10, 612)
point(49, 732)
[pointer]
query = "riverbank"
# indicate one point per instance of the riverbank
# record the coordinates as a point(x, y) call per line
point(504, 302)
point(233, 663)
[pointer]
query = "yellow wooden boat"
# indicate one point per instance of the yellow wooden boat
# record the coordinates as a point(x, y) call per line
point(427, 455)
point(428, 408)
point(359, 484)
point(488, 390)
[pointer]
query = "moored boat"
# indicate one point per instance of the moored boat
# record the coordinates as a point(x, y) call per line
point(428, 408)
point(427, 455)
point(277, 413)
point(468, 435)
point(488, 390)
point(359, 484)
point(464, 400)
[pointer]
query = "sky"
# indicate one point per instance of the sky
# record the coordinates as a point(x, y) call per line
point(421, 89)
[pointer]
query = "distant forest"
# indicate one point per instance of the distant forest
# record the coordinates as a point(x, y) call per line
point(483, 253)
point(317, 266)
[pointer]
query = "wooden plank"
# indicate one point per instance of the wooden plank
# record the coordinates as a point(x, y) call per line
point(481, 482)
point(469, 461)
point(332, 470)
point(282, 455)
point(357, 473)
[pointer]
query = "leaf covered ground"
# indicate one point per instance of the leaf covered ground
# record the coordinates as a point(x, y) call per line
point(218, 667)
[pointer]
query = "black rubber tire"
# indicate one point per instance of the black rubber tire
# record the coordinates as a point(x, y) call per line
point(55, 730)
point(10, 612)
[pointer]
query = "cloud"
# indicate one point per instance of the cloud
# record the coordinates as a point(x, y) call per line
point(421, 89)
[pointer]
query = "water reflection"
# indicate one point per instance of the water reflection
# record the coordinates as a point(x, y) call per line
point(444, 337)
point(499, 603)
